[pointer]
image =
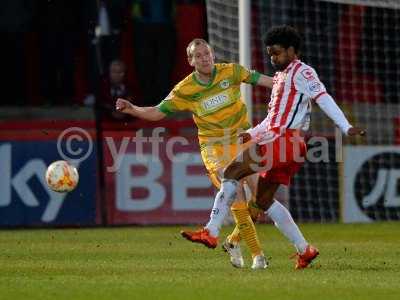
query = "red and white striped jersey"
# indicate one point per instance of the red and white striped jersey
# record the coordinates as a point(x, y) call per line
point(290, 103)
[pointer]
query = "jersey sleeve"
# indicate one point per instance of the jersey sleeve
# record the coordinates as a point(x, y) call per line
point(172, 103)
point(308, 83)
point(245, 75)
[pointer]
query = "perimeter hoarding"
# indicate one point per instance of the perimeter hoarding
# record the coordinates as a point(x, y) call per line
point(158, 182)
point(25, 200)
point(371, 183)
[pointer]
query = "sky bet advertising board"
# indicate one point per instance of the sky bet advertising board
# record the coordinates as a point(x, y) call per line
point(26, 200)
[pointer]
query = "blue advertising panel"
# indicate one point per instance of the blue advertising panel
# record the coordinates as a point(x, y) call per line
point(25, 199)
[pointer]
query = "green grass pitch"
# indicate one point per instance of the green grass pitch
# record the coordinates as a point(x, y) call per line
point(356, 262)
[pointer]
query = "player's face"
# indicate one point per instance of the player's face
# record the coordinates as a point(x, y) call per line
point(202, 59)
point(280, 57)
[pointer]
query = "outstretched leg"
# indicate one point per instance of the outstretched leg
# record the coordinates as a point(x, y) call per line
point(239, 168)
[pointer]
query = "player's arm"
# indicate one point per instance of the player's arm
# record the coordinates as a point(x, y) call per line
point(332, 110)
point(265, 81)
point(151, 113)
point(252, 77)
point(307, 81)
point(254, 132)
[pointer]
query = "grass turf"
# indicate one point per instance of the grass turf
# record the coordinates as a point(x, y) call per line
point(356, 262)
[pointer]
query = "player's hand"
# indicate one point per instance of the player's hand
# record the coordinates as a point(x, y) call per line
point(244, 137)
point(356, 131)
point(123, 105)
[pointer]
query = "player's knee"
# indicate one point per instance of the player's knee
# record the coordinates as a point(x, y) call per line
point(232, 171)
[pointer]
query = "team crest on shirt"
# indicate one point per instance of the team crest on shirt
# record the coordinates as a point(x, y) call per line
point(224, 84)
point(314, 87)
point(307, 74)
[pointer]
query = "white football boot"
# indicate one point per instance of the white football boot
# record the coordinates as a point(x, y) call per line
point(235, 254)
point(259, 262)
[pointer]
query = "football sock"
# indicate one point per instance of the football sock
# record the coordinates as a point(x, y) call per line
point(234, 237)
point(246, 228)
point(284, 222)
point(222, 203)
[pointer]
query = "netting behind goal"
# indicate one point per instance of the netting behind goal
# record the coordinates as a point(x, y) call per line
point(355, 48)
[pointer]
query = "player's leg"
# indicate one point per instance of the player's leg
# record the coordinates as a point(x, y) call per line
point(278, 213)
point(245, 228)
point(259, 261)
point(249, 194)
point(245, 225)
point(282, 218)
point(231, 244)
point(239, 168)
point(255, 211)
point(234, 236)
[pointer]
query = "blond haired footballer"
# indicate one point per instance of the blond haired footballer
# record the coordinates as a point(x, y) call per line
point(212, 94)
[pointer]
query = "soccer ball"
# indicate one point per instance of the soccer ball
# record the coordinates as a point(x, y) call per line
point(61, 176)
